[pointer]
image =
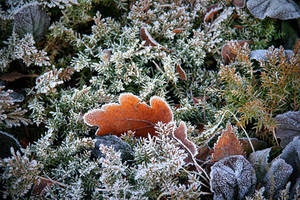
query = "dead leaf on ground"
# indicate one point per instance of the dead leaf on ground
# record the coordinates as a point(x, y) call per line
point(180, 134)
point(181, 72)
point(227, 145)
point(10, 77)
point(211, 13)
point(228, 55)
point(178, 30)
point(40, 188)
point(130, 114)
point(239, 3)
point(149, 40)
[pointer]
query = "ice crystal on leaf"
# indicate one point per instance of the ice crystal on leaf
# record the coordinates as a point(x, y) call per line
point(130, 114)
point(24, 49)
point(232, 178)
point(279, 9)
point(11, 114)
point(31, 19)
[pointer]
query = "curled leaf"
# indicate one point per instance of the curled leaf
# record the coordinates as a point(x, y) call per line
point(291, 155)
point(276, 177)
point(180, 72)
point(145, 36)
point(211, 13)
point(130, 114)
point(180, 135)
point(288, 127)
point(227, 145)
point(259, 160)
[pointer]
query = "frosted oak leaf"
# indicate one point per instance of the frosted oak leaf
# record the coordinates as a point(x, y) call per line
point(130, 114)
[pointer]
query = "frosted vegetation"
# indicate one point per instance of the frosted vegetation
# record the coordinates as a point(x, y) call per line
point(202, 97)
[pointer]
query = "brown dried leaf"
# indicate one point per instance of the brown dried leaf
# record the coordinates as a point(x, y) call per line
point(130, 114)
point(180, 72)
point(211, 13)
point(239, 3)
point(145, 36)
point(10, 77)
point(178, 30)
point(227, 54)
point(39, 188)
point(227, 145)
point(181, 135)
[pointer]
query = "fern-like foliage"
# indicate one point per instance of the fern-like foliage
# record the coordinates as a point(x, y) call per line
point(260, 91)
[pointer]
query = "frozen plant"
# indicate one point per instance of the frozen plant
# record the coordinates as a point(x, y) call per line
point(23, 49)
point(11, 114)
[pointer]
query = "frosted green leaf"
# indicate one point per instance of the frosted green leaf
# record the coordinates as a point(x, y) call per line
point(261, 54)
point(31, 18)
point(278, 9)
point(232, 178)
point(291, 155)
point(259, 160)
point(288, 127)
point(277, 177)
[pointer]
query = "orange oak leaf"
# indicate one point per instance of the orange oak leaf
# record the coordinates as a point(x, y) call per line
point(130, 114)
point(227, 145)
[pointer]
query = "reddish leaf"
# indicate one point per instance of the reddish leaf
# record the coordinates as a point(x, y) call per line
point(227, 145)
point(239, 3)
point(227, 54)
point(180, 72)
point(130, 114)
point(181, 135)
point(178, 30)
point(149, 41)
point(145, 36)
point(211, 13)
